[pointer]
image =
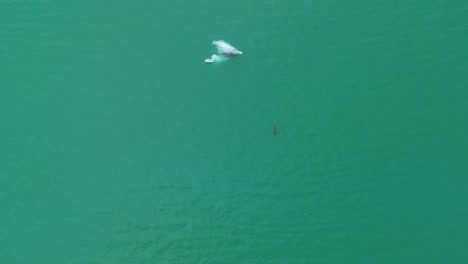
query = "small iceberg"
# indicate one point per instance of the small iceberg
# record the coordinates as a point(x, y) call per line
point(225, 51)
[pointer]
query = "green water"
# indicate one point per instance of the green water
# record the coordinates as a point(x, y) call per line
point(118, 144)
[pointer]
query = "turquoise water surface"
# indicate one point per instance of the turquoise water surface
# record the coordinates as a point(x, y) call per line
point(118, 144)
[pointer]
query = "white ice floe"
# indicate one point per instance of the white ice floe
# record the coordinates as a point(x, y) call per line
point(225, 48)
point(225, 51)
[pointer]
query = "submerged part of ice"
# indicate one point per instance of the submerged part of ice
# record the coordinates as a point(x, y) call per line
point(225, 48)
point(214, 58)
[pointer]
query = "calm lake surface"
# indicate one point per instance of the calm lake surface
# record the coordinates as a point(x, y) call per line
point(118, 144)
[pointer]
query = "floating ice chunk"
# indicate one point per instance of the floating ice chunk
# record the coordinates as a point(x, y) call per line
point(226, 49)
